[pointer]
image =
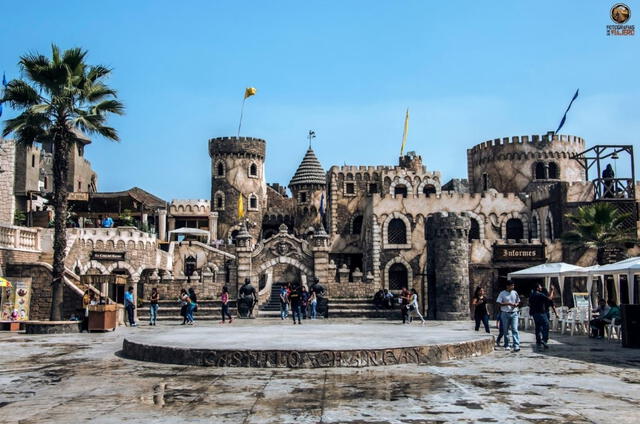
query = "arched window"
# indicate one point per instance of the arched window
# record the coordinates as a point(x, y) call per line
point(534, 227)
point(540, 171)
point(253, 170)
point(253, 202)
point(474, 231)
point(398, 277)
point(515, 229)
point(356, 226)
point(219, 201)
point(549, 228)
point(397, 232)
point(428, 189)
point(220, 169)
point(400, 190)
point(554, 171)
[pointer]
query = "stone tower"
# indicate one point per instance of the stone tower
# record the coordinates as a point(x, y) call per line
point(237, 167)
point(450, 249)
point(307, 187)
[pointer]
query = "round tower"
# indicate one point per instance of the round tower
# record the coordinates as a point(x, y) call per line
point(237, 167)
point(450, 247)
point(519, 164)
point(307, 187)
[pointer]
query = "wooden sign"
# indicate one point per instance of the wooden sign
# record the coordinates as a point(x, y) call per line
point(518, 253)
point(78, 196)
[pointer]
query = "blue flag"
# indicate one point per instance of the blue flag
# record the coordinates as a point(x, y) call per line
point(4, 84)
point(564, 118)
point(322, 206)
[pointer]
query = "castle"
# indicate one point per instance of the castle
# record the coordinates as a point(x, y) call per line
point(358, 229)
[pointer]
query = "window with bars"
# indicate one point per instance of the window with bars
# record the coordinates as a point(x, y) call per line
point(397, 232)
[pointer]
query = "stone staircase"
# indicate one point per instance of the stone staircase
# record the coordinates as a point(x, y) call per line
point(338, 308)
point(169, 310)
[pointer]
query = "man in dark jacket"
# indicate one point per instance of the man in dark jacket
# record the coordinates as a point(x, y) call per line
point(539, 304)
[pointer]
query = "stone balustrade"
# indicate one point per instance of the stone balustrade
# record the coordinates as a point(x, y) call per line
point(20, 238)
point(119, 238)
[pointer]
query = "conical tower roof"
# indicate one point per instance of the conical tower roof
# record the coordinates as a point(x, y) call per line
point(310, 171)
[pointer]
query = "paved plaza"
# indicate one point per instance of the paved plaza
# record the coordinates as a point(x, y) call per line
point(83, 377)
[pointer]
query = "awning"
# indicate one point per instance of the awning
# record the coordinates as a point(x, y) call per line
point(555, 269)
point(628, 267)
point(190, 232)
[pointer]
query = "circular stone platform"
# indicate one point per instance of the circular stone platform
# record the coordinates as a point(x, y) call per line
point(318, 345)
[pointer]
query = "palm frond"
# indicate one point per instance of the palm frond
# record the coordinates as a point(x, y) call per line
point(19, 94)
point(108, 106)
point(28, 127)
point(97, 72)
point(97, 92)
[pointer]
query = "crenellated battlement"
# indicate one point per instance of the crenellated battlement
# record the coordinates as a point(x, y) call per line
point(457, 196)
point(190, 206)
point(533, 139)
point(237, 146)
point(382, 170)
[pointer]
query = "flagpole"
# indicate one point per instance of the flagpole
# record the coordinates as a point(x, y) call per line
point(241, 113)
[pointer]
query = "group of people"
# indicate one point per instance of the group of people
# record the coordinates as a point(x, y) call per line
point(302, 302)
point(540, 307)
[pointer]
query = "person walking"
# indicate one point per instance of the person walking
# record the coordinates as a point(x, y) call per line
point(313, 304)
point(539, 304)
point(194, 299)
point(224, 298)
point(480, 313)
point(413, 306)
point(304, 295)
point(182, 300)
point(295, 300)
point(405, 299)
point(130, 306)
point(284, 302)
point(509, 300)
point(153, 306)
point(190, 307)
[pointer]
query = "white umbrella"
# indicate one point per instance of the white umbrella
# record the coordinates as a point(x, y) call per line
point(546, 271)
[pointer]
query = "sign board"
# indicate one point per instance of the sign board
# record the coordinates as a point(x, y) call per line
point(581, 300)
point(519, 253)
point(15, 300)
point(78, 196)
point(107, 256)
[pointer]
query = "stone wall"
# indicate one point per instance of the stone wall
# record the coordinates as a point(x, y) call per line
point(7, 175)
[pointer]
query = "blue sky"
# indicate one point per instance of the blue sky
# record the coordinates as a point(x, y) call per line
point(469, 71)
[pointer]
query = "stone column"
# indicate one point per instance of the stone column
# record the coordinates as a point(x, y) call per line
point(450, 247)
point(145, 218)
point(213, 226)
point(375, 250)
point(162, 224)
point(320, 249)
point(243, 251)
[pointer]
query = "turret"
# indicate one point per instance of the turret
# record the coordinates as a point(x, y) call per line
point(308, 186)
point(237, 167)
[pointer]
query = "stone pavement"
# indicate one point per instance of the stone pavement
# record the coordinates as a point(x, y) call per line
point(80, 378)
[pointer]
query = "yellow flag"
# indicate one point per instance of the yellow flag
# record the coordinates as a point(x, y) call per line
point(249, 91)
point(405, 133)
point(240, 207)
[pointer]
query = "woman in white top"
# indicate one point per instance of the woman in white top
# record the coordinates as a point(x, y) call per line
point(413, 306)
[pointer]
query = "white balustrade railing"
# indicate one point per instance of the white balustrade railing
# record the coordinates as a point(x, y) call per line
point(23, 238)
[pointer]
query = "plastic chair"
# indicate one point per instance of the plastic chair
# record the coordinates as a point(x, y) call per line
point(613, 329)
point(555, 323)
point(525, 317)
point(574, 320)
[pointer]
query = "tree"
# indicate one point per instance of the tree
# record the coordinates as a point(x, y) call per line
point(598, 226)
point(60, 97)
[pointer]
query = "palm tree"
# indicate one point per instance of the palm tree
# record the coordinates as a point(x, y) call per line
point(60, 96)
point(598, 226)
